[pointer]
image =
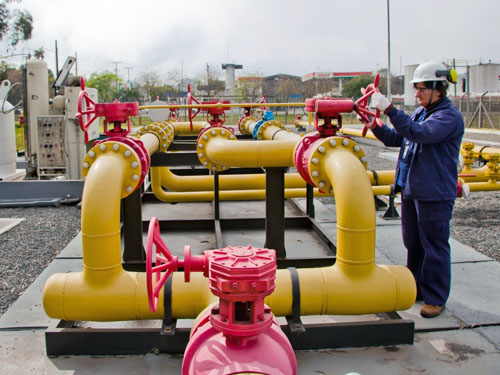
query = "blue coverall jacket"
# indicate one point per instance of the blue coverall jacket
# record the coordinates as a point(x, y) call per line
point(433, 169)
point(430, 145)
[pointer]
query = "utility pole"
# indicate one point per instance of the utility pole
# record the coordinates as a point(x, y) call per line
point(116, 71)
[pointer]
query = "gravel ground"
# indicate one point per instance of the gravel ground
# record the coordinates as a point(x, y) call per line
point(26, 249)
point(29, 247)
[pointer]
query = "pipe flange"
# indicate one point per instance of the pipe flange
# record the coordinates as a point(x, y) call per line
point(321, 149)
point(242, 123)
point(163, 137)
point(263, 126)
point(201, 144)
point(133, 176)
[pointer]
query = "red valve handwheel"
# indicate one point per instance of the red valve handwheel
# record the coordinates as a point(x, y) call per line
point(190, 100)
point(263, 100)
point(86, 107)
point(362, 103)
point(164, 262)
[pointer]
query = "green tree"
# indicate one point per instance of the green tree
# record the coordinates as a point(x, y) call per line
point(129, 95)
point(352, 89)
point(105, 83)
point(17, 25)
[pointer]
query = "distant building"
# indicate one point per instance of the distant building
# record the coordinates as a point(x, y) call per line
point(270, 84)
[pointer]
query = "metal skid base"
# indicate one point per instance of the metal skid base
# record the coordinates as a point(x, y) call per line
point(82, 338)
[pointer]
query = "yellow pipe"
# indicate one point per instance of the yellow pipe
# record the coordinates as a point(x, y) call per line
point(184, 128)
point(277, 133)
point(355, 132)
point(221, 105)
point(220, 151)
point(384, 177)
point(204, 196)
point(484, 186)
point(174, 182)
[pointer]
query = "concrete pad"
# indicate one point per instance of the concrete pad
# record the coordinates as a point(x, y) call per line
point(198, 241)
point(324, 208)
point(474, 292)
point(445, 321)
point(23, 352)
point(389, 241)
point(9, 223)
point(492, 334)
point(448, 352)
point(73, 249)
point(179, 211)
point(299, 243)
point(28, 311)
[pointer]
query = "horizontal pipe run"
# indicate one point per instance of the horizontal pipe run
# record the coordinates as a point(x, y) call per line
point(484, 186)
point(221, 151)
point(122, 295)
point(221, 105)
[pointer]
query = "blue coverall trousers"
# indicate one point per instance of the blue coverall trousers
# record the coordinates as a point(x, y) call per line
point(426, 232)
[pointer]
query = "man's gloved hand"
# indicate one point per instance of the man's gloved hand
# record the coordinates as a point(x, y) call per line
point(380, 102)
point(370, 125)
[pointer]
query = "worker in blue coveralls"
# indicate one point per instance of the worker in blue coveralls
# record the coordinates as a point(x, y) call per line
point(426, 175)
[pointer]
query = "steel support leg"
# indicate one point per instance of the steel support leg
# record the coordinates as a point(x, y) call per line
point(275, 210)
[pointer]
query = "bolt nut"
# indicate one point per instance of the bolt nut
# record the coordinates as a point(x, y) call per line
point(321, 149)
point(315, 161)
point(356, 148)
point(163, 138)
point(129, 189)
point(223, 132)
point(333, 142)
point(231, 136)
point(213, 132)
point(102, 147)
point(92, 154)
point(135, 164)
point(345, 142)
point(127, 153)
point(205, 137)
point(315, 173)
point(86, 165)
point(321, 185)
point(362, 159)
point(200, 155)
point(200, 145)
point(135, 177)
point(205, 163)
point(116, 147)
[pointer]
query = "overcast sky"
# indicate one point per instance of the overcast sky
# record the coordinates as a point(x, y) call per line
point(266, 37)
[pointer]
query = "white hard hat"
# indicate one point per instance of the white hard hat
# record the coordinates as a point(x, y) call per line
point(427, 72)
